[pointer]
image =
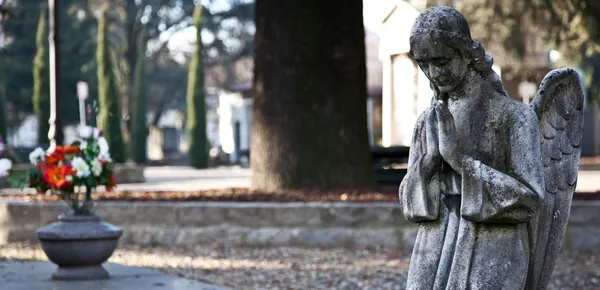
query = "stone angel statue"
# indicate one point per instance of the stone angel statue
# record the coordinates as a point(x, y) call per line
point(490, 180)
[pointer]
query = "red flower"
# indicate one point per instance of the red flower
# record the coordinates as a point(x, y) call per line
point(111, 183)
point(71, 150)
point(57, 177)
point(56, 156)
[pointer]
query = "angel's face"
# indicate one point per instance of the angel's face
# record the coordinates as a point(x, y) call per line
point(445, 66)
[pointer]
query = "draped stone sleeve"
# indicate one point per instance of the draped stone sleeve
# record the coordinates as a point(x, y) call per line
point(490, 195)
point(419, 195)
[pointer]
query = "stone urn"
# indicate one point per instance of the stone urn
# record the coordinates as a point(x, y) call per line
point(79, 245)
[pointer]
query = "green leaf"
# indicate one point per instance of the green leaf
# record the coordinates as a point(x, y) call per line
point(20, 180)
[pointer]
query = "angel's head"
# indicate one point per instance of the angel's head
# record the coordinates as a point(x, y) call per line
point(440, 42)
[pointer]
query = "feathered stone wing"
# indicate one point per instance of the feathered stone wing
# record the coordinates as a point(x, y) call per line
point(559, 107)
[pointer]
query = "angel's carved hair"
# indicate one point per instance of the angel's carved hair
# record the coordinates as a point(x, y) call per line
point(449, 26)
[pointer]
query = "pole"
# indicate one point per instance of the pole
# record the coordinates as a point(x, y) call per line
point(55, 134)
point(82, 94)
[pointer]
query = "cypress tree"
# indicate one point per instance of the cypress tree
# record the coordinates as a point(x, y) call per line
point(196, 107)
point(139, 126)
point(41, 84)
point(3, 124)
point(108, 95)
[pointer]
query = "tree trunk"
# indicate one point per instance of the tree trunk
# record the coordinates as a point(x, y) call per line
point(309, 125)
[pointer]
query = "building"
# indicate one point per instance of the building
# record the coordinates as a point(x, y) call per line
point(405, 89)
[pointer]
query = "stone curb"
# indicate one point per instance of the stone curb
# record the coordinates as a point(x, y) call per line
point(314, 224)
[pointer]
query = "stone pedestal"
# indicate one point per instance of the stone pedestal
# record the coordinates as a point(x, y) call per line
point(79, 245)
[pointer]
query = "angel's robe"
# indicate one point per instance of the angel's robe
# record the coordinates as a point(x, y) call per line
point(475, 228)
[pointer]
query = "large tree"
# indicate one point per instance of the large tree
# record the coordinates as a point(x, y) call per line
point(309, 127)
point(41, 85)
point(196, 107)
point(108, 94)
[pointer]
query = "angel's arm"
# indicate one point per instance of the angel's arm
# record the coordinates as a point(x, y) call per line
point(420, 188)
point(511, 196)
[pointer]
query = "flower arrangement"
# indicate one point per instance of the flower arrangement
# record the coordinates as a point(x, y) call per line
point(5, 167)
point(5, 163)
point(72, 172)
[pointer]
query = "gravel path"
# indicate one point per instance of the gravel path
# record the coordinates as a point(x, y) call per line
point(298, 268)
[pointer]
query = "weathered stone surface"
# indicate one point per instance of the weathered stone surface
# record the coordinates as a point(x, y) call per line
point(376, 237)
point(330, 237)
point(297, 216)
point(585, 214)
point(25, 214)
point(115, 214)
point(489, 178)
point(19, 234)
point(385, 232)
point(29, 275)
point(250, 216)
point(79, 245)
point(269, 237)
point(154, 214)
point(49, 212)
point(195, 216)
point(582, 238)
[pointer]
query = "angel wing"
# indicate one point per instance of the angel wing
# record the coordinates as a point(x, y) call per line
point(558, 105)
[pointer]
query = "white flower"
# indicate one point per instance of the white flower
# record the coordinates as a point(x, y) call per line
point(96, 167)
point(85, 131)
point(105, 157)
point(88, 132)
point(37, 155)
point(82, 145)
point(69, 178)
point(103, 146)
point(81, 167)
point(5, 166)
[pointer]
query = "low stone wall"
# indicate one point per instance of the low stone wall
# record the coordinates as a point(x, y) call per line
point(129, 173)
point(261, 224)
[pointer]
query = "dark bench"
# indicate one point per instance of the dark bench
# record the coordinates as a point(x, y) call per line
point(389, 163)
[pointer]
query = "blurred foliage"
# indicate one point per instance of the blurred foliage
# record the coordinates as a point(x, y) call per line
point(572, 26)
point(18, 49)
point(228, 27)
point(108, 95)
point(524, 27)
